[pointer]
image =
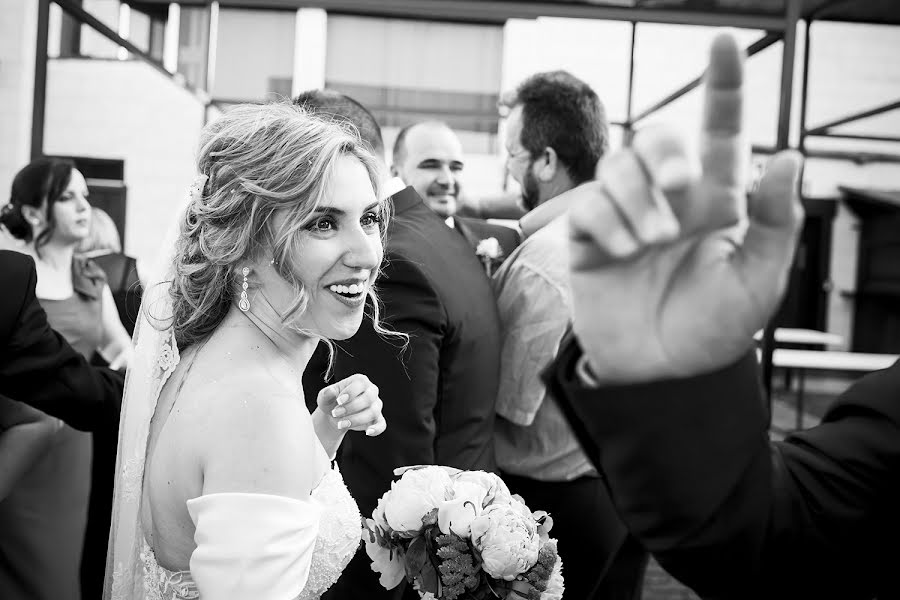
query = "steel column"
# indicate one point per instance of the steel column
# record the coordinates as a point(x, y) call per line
point(39, 99)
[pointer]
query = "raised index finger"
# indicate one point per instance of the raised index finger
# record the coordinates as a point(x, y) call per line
point(722, 148)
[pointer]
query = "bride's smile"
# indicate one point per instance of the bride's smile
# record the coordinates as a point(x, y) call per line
point(335, 255)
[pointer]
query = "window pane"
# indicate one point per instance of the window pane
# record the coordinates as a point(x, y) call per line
point(255, 54)
point(408, 71)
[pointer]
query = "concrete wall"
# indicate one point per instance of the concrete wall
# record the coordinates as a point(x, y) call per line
point(17, 50)
point(126, 110)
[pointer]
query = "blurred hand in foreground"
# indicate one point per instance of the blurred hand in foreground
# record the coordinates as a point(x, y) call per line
point(665, 285)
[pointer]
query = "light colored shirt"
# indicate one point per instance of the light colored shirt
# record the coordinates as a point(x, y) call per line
point(533, 437)
point(391, 187)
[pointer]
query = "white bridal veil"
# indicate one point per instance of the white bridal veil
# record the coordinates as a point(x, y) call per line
point(155, 357)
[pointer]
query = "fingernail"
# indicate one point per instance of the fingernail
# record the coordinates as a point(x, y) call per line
point(342, 398)
point(337, 412)
point(343, 424)
point(621, 243)
point(370, 431)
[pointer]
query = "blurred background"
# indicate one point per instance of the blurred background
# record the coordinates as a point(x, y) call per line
point(124, 87)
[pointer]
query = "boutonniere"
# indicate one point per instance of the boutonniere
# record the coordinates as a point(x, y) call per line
point(488, 251)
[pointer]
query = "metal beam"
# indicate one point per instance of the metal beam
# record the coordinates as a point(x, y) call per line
point(857, 136)
point(854, 157)
point(855, 117)
point(754, 48)
point(791, 17)
point(39, 99)
point(91, 21)
point(804, 89)
point(498, 12)
point(628, 132)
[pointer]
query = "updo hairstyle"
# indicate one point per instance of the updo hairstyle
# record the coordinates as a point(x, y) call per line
point(259, 159)
point(43, 179)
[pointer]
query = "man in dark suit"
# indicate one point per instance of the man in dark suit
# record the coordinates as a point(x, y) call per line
point(38, 367)
point(665, 392)
point(439, 390)
point(428, 156)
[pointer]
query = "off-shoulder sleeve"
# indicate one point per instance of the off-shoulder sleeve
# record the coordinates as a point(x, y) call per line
point(252, 546)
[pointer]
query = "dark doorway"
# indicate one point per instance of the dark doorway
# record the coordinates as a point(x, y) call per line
point(805, 302)
point(876, 315)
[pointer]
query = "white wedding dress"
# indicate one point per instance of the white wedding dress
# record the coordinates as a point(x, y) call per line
point(279, 562)
point(249, 546)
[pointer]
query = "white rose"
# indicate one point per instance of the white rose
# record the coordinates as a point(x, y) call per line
point(489, 248)
point(416, 494)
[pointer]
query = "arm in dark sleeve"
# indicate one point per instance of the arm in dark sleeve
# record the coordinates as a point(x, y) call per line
point(41, 369)
point(407, 379)
point(695, 478)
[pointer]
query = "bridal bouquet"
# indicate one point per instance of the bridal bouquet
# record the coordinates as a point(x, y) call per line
point(461, 534)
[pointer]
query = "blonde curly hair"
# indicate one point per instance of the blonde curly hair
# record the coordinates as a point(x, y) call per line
point(258, 159)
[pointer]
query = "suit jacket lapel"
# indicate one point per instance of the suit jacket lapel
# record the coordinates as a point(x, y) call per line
point(466, 232)
point(405, 199)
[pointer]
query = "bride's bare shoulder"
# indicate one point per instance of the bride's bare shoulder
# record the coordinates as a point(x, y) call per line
point(254, 434)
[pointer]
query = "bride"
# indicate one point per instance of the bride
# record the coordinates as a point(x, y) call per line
point(224, 482)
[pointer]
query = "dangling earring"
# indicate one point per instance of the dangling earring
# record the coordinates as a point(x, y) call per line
point(244, 303)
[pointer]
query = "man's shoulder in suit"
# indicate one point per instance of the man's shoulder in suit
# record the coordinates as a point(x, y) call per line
point(18, 271)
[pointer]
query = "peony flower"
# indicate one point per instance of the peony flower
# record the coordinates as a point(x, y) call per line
point(456, 516)
point(507, 540)
point(545, 524)
point(378, 514)
point(495, 489)
point(389, 564)
point(416, 494)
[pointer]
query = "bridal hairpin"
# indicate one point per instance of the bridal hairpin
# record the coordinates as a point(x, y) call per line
point(196, 190)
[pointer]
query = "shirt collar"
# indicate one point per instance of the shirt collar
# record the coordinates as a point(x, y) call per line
point(391, 187)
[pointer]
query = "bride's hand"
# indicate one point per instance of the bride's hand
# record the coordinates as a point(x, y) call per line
point(352, 404)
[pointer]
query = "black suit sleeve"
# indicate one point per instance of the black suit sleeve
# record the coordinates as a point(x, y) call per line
point(39, 367)
point(697, 481)
point(408, 379)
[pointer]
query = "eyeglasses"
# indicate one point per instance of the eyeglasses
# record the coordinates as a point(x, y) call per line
point(516, 155)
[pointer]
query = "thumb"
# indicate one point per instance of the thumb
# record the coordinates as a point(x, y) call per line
point(328, 394)
point(119, 361)
point(775, 217)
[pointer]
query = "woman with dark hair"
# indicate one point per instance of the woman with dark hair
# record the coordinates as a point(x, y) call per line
point(44, 517)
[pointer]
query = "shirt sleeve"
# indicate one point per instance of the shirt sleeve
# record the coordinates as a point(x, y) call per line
point(534, 314)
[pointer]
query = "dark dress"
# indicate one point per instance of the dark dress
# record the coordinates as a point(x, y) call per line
point(43, 520)
point(122, 277)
